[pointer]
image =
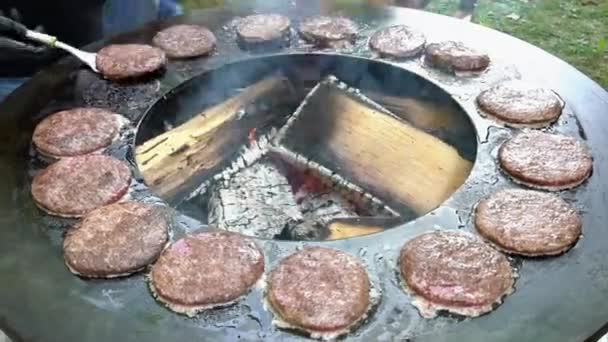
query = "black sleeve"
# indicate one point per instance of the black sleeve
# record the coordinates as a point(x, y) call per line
point(76, 22)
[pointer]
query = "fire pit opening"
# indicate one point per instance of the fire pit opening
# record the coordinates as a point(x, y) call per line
point(306, 147)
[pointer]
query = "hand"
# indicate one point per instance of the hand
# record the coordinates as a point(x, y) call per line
point(13, 44)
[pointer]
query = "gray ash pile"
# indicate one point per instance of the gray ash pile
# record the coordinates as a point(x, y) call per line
point(271, 199)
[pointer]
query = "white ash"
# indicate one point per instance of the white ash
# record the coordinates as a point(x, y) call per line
point(325, 206)
point(257, 201)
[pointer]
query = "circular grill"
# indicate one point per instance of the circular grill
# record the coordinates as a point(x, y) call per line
point(554, 299)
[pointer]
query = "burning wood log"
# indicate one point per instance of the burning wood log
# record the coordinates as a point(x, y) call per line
point(351, 137)
point(179, 157)
point(344, 228)
point(426, 115)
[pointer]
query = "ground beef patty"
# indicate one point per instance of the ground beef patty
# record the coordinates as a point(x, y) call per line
point(185, 41)
point(72, 187)
point(263, 30)
point(122, 61)
point(455, 56)
point(75, 132)
point(328, 31)
point(518, 104)
point(546, 161)
point(116, 240)
point(528, 222)
point(454, 271)
point(319, 290)
point(398, 41)
point(206, 270)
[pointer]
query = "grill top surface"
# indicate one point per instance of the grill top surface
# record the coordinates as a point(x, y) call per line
point(555, 299)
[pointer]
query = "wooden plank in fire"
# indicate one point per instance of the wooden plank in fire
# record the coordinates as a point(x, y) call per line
point(170, 161)
point(351, 137)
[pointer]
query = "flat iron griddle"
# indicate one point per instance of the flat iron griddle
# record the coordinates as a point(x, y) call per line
point(556, 299)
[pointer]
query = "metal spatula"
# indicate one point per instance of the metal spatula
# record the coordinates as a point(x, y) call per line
point(16, 30)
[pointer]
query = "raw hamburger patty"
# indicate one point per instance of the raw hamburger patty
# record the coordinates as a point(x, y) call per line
point(74, 186)
point(546, 161)
point(528, 222)
point(455, 56)
point(520, 105)
point(398, 41)
point(263, 28)
point(75, 132)
point(324, 30)
point(454, 271)
point(319, 290)
point(185, 41)
point(121, 61)
point(116, 240)
point(206, 270)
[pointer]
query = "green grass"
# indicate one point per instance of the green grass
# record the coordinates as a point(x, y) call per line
point(574, 30)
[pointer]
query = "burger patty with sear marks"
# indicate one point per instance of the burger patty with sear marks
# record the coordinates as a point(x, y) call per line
point(206, 270)
point(454, 271)
point(398, 41)
point(320, 290)
point(518, 104)
point(124, 61)
point(72, 187)
point(261, 29)
point(326, 30)
point(75, 132)
point(546, 161)
point(528, 222)
point(185, 41)
point(116, 240)
point(455, 56)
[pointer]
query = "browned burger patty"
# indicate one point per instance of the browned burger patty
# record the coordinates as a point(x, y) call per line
point(122, 61)
point(454, 271)
point(75, 132)
point(455, 56)
point(185, 41)
point(518, 104)
point(398, 41)
point(116, 240)
point(328, 31)
point(263, 29)
point(72, 187)
point(546, 161)
point(206, 270)
point(528, 222)
point(319, 290)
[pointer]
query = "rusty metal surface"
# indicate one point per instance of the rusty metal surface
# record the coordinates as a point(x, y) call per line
point(556, 299)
